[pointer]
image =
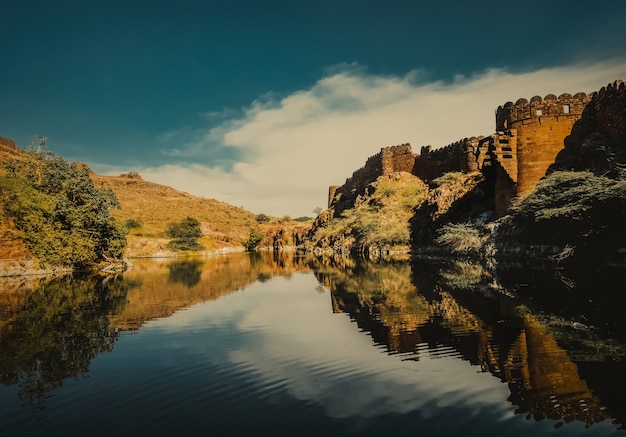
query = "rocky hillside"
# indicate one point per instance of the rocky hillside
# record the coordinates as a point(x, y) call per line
point(373, 223)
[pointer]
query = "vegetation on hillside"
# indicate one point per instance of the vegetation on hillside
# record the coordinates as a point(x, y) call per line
point(184, 235)
point(154, 206)
point(64, 218)
point(378, 222)
point(573, 208)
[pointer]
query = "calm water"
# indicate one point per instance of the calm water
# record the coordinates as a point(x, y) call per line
point(263, 345)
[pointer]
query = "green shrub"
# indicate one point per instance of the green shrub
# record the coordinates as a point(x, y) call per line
point(132, 223)
point(262, 218)
point(184, 234)
point(253, 241)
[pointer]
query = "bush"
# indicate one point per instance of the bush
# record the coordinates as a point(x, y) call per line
point(463, 238)
point(132, 223)
point(262, 218)
point(184, 234)
point(253, 241)
point(574, 208)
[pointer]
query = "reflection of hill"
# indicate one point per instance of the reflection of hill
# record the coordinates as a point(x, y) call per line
point(164, 287)
point(426, 311)
point(50, 330)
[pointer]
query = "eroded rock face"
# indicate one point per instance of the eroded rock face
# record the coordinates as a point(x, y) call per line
point(455, 200)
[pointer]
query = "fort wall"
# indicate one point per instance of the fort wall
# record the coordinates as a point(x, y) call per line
point(458, 156)
point(536, 131)
point(529, 136)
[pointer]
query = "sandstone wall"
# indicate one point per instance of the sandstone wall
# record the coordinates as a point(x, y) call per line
point(536, 131)
point(459, 156)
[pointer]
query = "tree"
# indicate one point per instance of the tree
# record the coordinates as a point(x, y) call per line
point(65, 218)
point(184, 234)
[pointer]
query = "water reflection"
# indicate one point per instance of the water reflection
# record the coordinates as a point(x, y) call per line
point(542, 346)
point(460, 308)
point(52, 330)
point(172, 285)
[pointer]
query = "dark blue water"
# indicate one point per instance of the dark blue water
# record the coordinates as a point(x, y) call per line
point(250, 346)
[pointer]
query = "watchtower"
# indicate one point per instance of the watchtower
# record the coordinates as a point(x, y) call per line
point(529, 135)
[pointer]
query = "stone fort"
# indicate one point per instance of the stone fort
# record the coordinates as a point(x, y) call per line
point(528, 136)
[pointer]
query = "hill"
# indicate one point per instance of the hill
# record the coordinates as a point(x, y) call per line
point(145, 210)
point(153, 206)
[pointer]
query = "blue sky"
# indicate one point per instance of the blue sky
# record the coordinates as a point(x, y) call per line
point(265, 104)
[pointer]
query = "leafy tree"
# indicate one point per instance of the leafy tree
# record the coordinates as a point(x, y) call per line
point(65, 218)
point(184, 234)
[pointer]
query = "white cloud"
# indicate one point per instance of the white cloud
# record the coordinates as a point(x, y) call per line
point(293, 148)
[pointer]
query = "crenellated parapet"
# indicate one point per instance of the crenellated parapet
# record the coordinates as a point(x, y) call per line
point(458, 156)
point(529, 136)
point(532, 111)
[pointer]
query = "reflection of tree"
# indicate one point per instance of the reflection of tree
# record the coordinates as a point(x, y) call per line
point(55, 335)
point(414, 308)
point(186, 272)
point(168, 287)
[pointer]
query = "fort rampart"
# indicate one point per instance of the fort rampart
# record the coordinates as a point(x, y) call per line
point(529, 135)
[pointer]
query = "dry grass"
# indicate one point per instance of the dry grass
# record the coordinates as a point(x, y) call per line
point(154, 206)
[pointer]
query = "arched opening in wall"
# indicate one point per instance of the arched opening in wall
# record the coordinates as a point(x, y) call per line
point(565, 109)
point(539, 113)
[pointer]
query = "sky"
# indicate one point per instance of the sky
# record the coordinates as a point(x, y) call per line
point(265, 104)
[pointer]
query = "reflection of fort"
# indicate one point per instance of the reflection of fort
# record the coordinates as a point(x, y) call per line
point(518, 349)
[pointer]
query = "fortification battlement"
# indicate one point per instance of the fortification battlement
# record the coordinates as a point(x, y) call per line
point(400, 149)
point(375, 162)
point(465, 145)
point(618, 85)
point(524, 110)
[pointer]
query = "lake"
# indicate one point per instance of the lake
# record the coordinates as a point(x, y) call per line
point(279, 344)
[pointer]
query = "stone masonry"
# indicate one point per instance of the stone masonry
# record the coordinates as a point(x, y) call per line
point(529, 136)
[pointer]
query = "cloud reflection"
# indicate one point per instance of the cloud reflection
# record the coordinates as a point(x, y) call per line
point(293, 341)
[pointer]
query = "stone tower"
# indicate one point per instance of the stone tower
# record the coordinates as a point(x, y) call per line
point(529, 136)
